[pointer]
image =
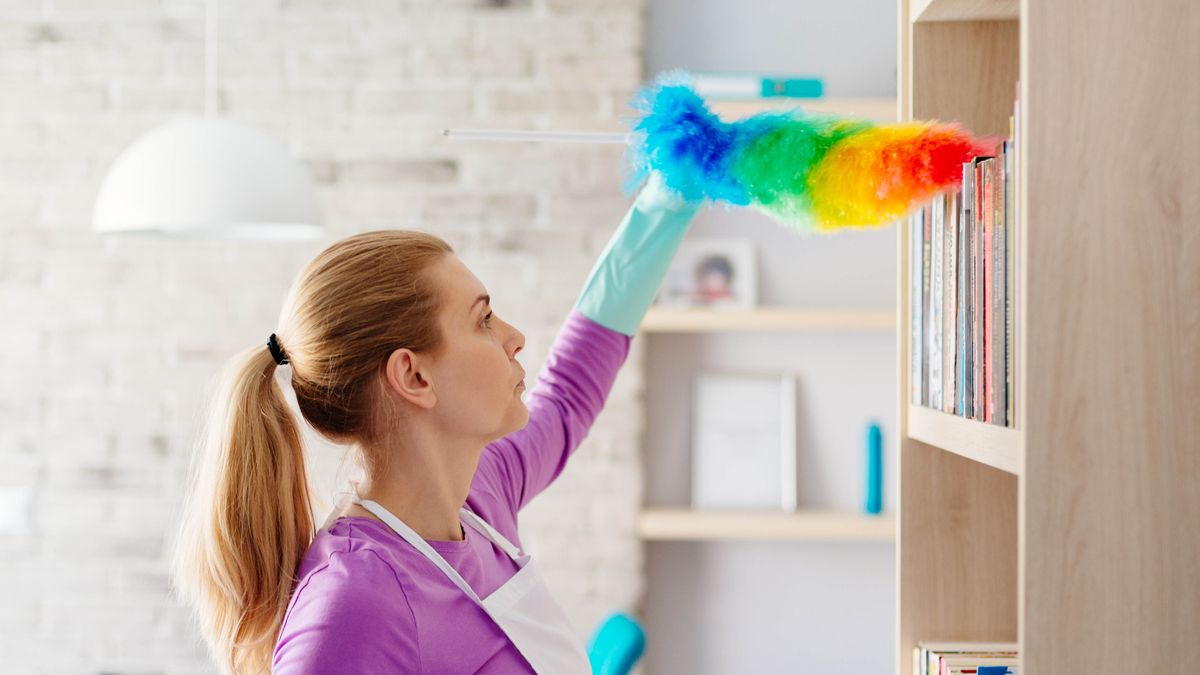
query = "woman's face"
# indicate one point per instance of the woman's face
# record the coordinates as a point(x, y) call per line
point(476, 377)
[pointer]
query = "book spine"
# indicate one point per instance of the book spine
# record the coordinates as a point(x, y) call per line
point(964, 237)
point(949, 321)
point(978, 308)
point(1015, 257)
point(1010, 213)
point(969, 294)
point(998, 333)
point(989, 272)
point(926, 229)
point(934, 325)
point(914, 299)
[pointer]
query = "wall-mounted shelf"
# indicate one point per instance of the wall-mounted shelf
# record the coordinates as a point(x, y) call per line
point(670, 320)
point(996, 446)
point(699, 525)
point(877, 109)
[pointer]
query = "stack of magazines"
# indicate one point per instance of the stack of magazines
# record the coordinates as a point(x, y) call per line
point(963, 291)
point(965, 658)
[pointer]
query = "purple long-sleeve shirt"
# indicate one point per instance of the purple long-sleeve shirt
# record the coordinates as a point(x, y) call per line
point(368, 602)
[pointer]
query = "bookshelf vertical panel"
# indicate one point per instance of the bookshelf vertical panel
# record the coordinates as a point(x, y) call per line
point(965, 71)
point(957, 550)
point(1111, 498)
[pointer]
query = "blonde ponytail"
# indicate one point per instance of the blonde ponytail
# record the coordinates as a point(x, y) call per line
point(248, 518)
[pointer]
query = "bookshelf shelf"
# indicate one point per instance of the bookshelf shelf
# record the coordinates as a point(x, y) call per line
point(671, 320)
point(993, 445)
point(964, 10)
point(695, 525)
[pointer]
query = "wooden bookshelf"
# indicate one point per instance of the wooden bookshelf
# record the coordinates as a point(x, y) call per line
point(1077, 533)
point(988, 444)
point(963, 10)
point(676, 320)
point(700, 525)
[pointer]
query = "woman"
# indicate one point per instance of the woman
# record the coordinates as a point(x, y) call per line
point(393, 348)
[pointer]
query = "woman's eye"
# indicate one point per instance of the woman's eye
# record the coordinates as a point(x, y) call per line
point(487, 318)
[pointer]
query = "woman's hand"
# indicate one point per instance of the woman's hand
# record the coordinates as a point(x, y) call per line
point(629, 271)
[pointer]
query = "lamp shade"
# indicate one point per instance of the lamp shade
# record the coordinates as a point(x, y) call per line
point(208, 177)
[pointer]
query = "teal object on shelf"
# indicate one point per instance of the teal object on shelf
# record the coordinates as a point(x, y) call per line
point(617, 645)
point(792, 88)
point(874, 501)
point(750, 86)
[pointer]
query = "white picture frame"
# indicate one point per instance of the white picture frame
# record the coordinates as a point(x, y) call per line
point(744, 441)
point(713, 273)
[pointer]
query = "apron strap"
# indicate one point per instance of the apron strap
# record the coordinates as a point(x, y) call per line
point(420, 544)
point(491, 533)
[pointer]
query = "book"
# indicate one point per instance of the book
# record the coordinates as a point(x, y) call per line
point(955, 658)
point(998, 305)
point(977, 286)
point(926, 270)
point(963, 293)
point(934, 328)
point(915, 304)
point(986, 186)
point(982, 664)
point(966, 279)
point(1014, 251)
point(949, 302)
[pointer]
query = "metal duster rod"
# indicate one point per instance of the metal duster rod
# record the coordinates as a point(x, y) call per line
point(538, 136)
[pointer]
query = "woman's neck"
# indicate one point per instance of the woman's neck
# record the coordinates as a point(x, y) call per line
point(425, 487)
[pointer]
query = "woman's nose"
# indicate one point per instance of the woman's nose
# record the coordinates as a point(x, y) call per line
point(518, 341)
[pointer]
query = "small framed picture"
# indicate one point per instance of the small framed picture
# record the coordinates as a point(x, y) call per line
point(716, 272)
point(744, 442)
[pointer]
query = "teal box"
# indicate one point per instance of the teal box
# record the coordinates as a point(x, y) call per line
point(792, 88)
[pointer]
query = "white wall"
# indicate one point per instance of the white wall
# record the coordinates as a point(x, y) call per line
point(776, 607)
point(107, 345)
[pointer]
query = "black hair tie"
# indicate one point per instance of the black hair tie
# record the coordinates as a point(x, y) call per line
point(276, 350)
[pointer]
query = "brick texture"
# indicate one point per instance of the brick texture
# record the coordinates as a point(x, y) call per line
point(108, 344)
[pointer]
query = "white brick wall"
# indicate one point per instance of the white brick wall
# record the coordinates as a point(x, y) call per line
point(107, 344)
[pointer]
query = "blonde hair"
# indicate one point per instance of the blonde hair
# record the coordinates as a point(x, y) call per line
point(247, 519)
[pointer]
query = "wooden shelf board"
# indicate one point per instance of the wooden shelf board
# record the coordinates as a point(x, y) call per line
point(679, 320)
point(996, 446)
point(879, 109)
point(963, 10)
point(698, 525)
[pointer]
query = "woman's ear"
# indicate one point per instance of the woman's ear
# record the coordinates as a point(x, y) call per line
point(408, 375)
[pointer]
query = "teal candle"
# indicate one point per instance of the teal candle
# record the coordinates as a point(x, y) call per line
point(874, 500)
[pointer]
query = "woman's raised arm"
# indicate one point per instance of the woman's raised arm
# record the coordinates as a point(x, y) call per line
point(590, 347)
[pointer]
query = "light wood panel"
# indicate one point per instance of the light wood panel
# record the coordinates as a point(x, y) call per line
point(958, 552)
point(966, 72)
point(1112, 331)
point(988, 444)
point(963, 10)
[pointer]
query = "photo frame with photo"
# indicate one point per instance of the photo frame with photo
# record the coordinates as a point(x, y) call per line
point(712, 272)
point(744, 441)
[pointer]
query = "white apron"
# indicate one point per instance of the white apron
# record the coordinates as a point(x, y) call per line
point(522, 606)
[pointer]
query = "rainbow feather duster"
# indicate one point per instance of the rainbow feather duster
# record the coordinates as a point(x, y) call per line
point(815, 172)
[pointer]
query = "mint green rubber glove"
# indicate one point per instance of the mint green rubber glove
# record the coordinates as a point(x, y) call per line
point(629, 271)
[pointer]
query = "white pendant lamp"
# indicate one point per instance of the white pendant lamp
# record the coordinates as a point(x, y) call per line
point(208, 177)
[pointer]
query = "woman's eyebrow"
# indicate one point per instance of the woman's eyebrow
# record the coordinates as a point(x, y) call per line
point(484, 297)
